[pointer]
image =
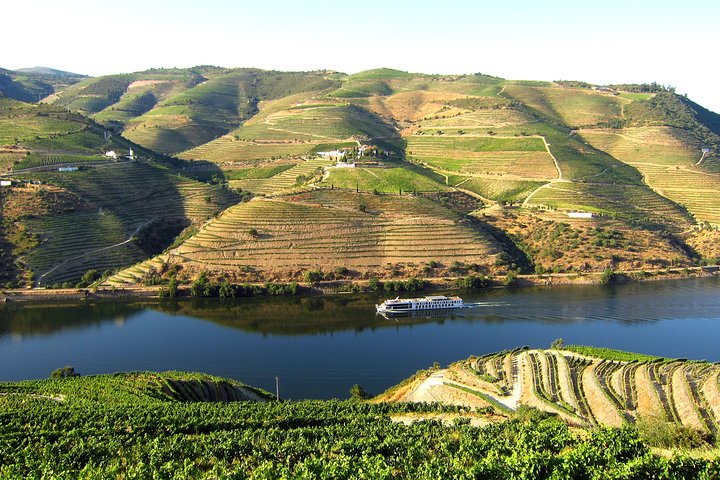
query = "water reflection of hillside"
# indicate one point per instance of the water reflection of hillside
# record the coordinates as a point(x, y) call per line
point(296, 316)
point(293, 316)
point(49, 318)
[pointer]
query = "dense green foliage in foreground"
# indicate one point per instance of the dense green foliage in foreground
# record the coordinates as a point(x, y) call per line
point(113, 427)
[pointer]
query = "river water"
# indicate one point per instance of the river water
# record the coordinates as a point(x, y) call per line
point(320, 346)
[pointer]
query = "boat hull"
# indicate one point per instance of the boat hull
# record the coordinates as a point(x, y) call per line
point(430, 303)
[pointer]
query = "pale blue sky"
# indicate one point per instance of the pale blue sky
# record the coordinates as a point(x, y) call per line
point(611, 41)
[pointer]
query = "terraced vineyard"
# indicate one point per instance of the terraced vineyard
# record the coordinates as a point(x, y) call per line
point(138, 192)
point(666, 146)
point(609, 388)
point(522, 157)
point(128, 196)
point(38, 160)
point(145, 425)
point(538, 145)
point(667, 157)
point(283, 181)
point(698, 191)
point(391, 177)
point(74, 243)
point(500, 189)
point(325, 229)
point(628, 202)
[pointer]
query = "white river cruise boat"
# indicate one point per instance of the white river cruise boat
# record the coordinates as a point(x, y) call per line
point(411, 305)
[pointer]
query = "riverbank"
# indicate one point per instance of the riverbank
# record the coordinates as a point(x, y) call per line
point(359, 286)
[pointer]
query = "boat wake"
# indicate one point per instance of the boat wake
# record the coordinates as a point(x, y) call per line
point(484, 304)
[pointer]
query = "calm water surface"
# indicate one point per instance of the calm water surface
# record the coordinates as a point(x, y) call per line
point(320, 346)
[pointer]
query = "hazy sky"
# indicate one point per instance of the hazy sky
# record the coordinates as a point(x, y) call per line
point(673, 43)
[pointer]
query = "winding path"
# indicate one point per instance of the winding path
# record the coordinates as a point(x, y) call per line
point(90, 253)
point(557, 166)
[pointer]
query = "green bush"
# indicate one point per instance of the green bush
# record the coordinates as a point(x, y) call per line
point(473, 281)
point(312, 276)
point(658, 432)
point(608, 277)
point(511, 278)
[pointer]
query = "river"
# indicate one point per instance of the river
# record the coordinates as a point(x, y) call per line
point(320, 346)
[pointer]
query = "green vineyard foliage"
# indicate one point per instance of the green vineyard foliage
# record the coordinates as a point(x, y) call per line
point(122, 426)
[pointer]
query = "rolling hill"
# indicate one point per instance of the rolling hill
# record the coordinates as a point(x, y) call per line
point(639, 158)
point(171, 110)
point(34, 84)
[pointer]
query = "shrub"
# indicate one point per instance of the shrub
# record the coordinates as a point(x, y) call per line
point(312, 276)
point(226, 290)
point(64, 372)
point(414, 284)
point(374, 284)
point(473, 281)
point(90, 276)
point(198, 286)
point(358, 393)
point(658, 432)
point(511, 278)
point(171, 290)
point(608, 277)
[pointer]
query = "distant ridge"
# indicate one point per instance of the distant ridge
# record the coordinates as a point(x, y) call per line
point(49, 71)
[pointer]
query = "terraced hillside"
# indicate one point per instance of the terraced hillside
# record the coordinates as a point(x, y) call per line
point(114, 200)
point(508, 141)
point(582, 385)
point(388, 177)
point(505, 150)
point(632, 156)
point(128, 197)
point(285, 180)
point(369, 235)
point(671, 161)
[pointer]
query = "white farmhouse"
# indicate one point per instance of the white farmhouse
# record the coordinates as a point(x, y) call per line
point(111, 154)
point(333, 154)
